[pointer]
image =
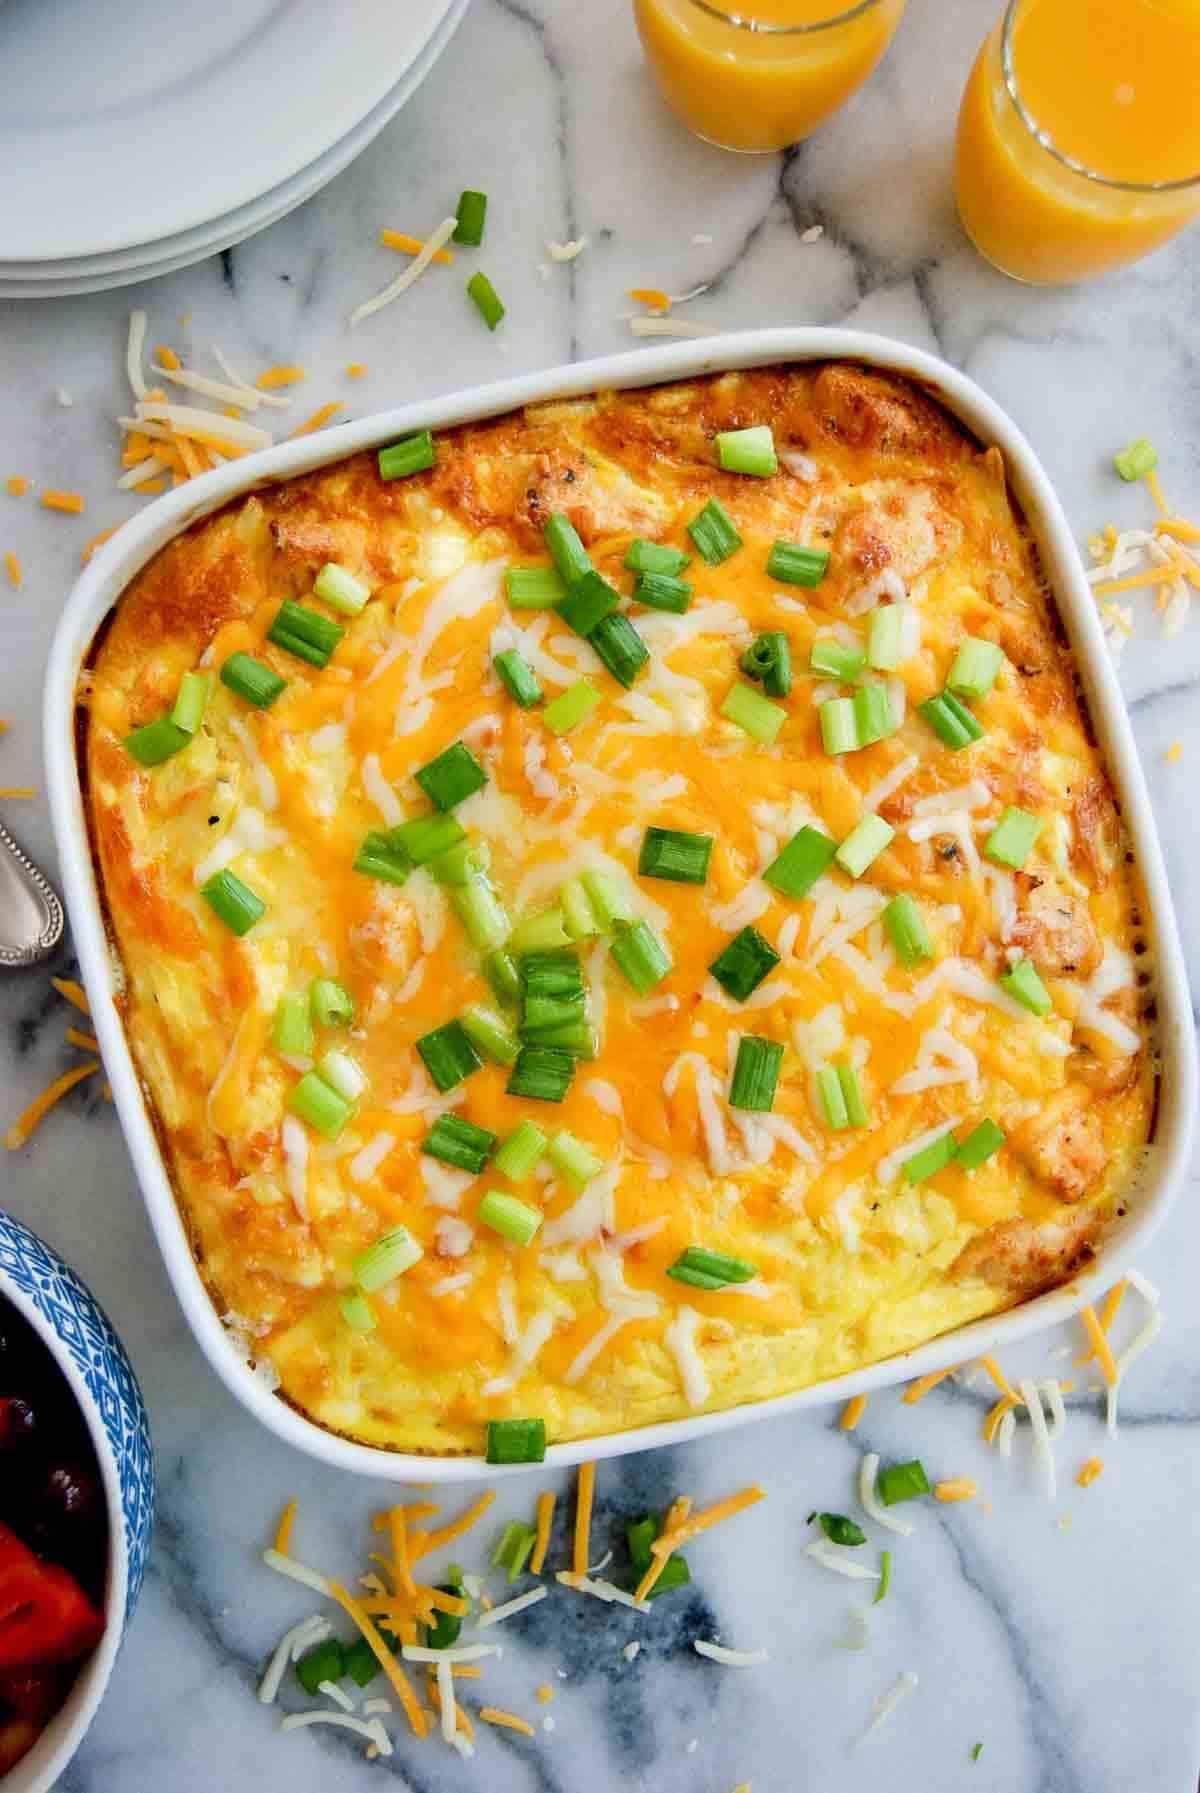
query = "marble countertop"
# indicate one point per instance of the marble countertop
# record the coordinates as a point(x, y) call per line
point(1063, 1636)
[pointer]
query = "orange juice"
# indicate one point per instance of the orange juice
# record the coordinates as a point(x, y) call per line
point(762, 77)
point(1079, 135)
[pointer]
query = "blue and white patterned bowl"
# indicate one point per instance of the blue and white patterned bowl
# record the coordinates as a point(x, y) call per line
point(80, 1338)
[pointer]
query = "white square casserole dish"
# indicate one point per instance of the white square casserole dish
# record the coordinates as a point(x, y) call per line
point(139, 540)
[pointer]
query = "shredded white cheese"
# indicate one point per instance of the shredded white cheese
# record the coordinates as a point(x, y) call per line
point(869, 1501)
point(836, 1557)
point(680, 1340)
point(600, 1590)
point(729, 1658)
point(409, 275)
point(509, 1610)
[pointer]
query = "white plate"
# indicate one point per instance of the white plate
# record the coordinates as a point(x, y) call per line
point(117, 562)
point(121, 128)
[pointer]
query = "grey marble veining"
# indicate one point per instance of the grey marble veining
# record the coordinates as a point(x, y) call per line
point(1061, 1636)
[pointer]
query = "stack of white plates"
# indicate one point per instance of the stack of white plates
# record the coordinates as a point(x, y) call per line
point(136, 139)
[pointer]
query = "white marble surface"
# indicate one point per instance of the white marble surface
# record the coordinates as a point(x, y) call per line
point(1065, 1636)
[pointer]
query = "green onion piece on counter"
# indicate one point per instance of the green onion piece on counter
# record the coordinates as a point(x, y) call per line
point(769, 661)
point(654, 557)
point(749, 451)
point(751, 711)
point(663, 591)
point(620, 647)
point(840, 1530)
point(448, 1055)
point(155, 741)
point(314, 1101)
point(976, 1751)
point(676, 855)
point(233, 902)
point(516, 1541)
point(872, 714)
point(534, 588)
point(451, 777)
point(1140, 458)
point(579, 918)
point(521, 1153)
point(640, 1535)
point(839, 725)
point(831, 1099)
point(980, 1144)
point(543, 1073)
point(1022, 983)
point(361, 1662)
point(305, 633)
point(1011, 840)
point(566, 550)
point(793, 564)
point(833, 660)
point(342, 1075)
point(885, 638)
point(325, 1662)
point(742, 965)
point(514, 1220)
point(357, 1312)
point(463, 863)
point(852, 1096)
point(516, 1441)
point(797, 867)
point(574, 1160)
point(292, 1031)
point(444, 1629)
point(459, 1143)
point(490, 1034)
point(863, 845)
point(951, 721)
point(500, 970)
point(608, 898)
point(570, 707)
point(587, 603)
point(755, 1074)
point(425, 837)
point(640, 954)
point(906, 929)
point(540, 933)
point(338, 587)
point(902, 1481)
point(251, 679)
point(389, 1257)
point(191, 700)
point(486, 299)
point(931, 1159)
point(481, 913)
point(380, 857)
point(705, 1269)
point(412, 454)
point(713, 533)
point(885, 1576)
point(471, 215)
point(331, 1003)
point(976, 668)
point(518, 678)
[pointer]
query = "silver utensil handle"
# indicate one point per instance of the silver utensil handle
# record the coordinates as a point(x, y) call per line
point(31, 916)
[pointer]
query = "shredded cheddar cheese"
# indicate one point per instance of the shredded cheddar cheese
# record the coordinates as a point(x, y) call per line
point(1101, 1349)
point(999, 1378)
point(401, 1685)
point(86, 1041)
point(651, 295)
point(1089, 1471)
point(274, 377)
point(355, 370)
point(852, 1412)
point(957, 1488)
point(584, 1494)
point(97, 541)
point(422, 1542)
point(319, 418)
point(1174, 753)
point(24, 791)
point(545, 1693)
point(545, 1519)
point(283, 1531)
point(493, 1715)
point(73, 992)
point(916, 1391)
point(167, 357)
point(16, 485)
point(41, 1105)
point(692, 1527)
point(72, 503)
point(12, 567)
point(400, 239)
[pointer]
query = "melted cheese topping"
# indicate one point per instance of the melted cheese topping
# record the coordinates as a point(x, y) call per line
point(584, 1326)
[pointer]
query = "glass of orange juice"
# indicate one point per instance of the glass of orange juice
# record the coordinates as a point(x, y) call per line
point(1079, 135)
point(761, 79)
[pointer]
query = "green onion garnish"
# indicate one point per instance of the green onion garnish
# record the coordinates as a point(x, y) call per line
point(931, 1159)
point(381, 857)
point(412, 454)
point(587, 603)
point(873, 719)
point(514, 1220)
point(156, 741)
point(840, 1530)
point(750, 710)
point(832, 660)
point(331, 1003)
point(566, 550)
point(191, 700)
point(362, 1665)
point(485, 298)
point(292, 1031)
point(620, 647)
point(490, 1034)
point(540, 933)
point(1022, 983)
point(901, 1481)
point(576, 1037)
point(573, 1159)
point(1011, 840)
point(389, 1257)
point(976, 668)
point(742, 965)
point(906, 930)
point(579, 918)
point(676, 855)
point(797, 867)
point(540, 1012)
point(705, 1269)
point(654, 557)
point(1141, 457)
point(570, 707)
point(451, 777)
point(318, 1103)
point(663, 591)
point(863, 845)
point(471, 215)
point(357, 1312)
point(640, 1535)
point(516, 1440)
point(713, 533)
point(885, 1576)
point(325, 1662)
point(793, 564)
point(305, 633)
point(840, 1096)
point(444, 1629)
point(769, 661)
point(427, 837)
point(608, 897)
point(755, 1073)
point(463, 863)
point(500, 970)
point(251, 679)
point(979, 1145)
point(448, 1054)
point(233, 902)
point(534, 588)
point(748, 451)
point(338, 586)
point(341, 1074)
point(521, 1152)
point(459, 1143)
point(543, 1073)
point(839, 725)
point(551, 968)
point(641, 955)
point(885, 638)
point(516, 1542)
point(518, 678)
point(951, 721)
point(481, 913)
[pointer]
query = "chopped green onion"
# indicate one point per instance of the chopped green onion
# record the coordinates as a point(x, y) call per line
point(795, 870)
point(465, 862)
point(574, 1160)
point(640, 1535)
point(320, 1105)
point(676, 855)
point(755, 1073)
point(412, 454)
point(490, 1034)
point(872, 714)
point(579, 918)
point(931, 1159)
point(587, 603)
point(459, 1143)
point(576, 1037)
point(979, 1145)
point(325, 1662)
point(426, 837)
point(292, 1031)
point(445, 1628)
point(620, 647)
point(516, 1440)
point(249, 678)
point(976, 668)
point(381, 857)
point(663, 591)
point(332, 1004)
point(541, 1012)
point(951, 721)
point(518, 678)
point(750, 710)
point(906, 930)
point(832, 660)
point(534, 588)
point(357, 1312)
point(1011, 840)
point(608, 898)
point(362, 1664)
point(191, 700)
point(742, 965)
point(852, 1096)
point(641, 955)
point(514, 1220)
point(342, 1074)
point(451, 777)
point(793, 564)
point(485, 298)
point(516, 1542)
point(885, 1576)
point(885, 638)
point(832, 1101)
point(863, 845)
point(543, 1073)
point(976, 1751)
point(1139, 458)
point(570, 707)
point(713, 533)
point(481, 913)
point(901, 1481)
point(839, 725)
point(521, 1152)
point(566, 550)
point(338, 586)
point(448, 1054)
point(1023, 984)
point(540, 933)
point(389, 1257)
point(705, 1269)
point(840, 1530)
point(769, 661)
point(156, 741)
point(551, 968)
point(654, 557)
point(748, 451)
point(305, 632)
point(500, 970)
point(233, 902)
point(471, 215)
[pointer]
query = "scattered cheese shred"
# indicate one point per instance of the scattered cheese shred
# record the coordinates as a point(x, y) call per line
point(584, 1495)
point(510, 1608)
point(24, 791)
point(355, 370)
point(283, 1531)
point(318, 419)
point(274, 377)
point(420, 1543)
point(401, 1685)
point(400, 239)
point(16, 486)
point(370, 1728)
point(692, 1527)
point(1174, 752)
point(729, 1658)
point(651, 326)
point(1089, 1471)
point(883, 1708)
point(168, 358)
point(133, 353)
point(545, 1519)
point(411, 274)
point(97, 541)
point(998, 1377)
point(74, 993)
point(916, 1391)
point(70, 502)
point(1101, 1350)
point(398, 1524)
point(86, 1041)
point(852, 1412)
point(600, 1590)
point(12, 567)
point(493, 1715)
point(40, 1107)
point(958, 1488)
point(545, 1693)
point(651, 295)
point(869, 1501)
point(1004, 1406)
point(1112, 1304)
